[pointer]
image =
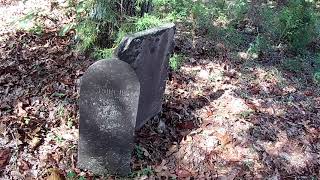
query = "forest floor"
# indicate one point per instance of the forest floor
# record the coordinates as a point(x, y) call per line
point(224, 116)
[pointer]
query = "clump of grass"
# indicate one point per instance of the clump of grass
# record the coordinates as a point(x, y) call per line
point(105, 53)
point(175, 62)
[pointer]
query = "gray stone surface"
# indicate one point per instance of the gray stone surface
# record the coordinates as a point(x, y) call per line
point(109, 95)
point(148, 53)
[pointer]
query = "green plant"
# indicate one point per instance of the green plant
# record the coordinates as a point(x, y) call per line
point(297, 24)
point(136, 24)
point(56, 94)
point(232, 37)
point(60, 111)
point(255, 47)
point(293, 64)
point(37, 29)
point(66, 28)
point(26, 22)
point(101, 24)
point(316, 77)
point(58, 138)
point(148, 21)
point(175, 62)
point(245, 114)
point(236, 10)
point(103, 53)
point(143, 172)
point(70, 122)
point(259, 45)
point(71, 175)
point(268, 21)
point(32, 22)
point(86, 34)
point(139, 151)
point(82, 178)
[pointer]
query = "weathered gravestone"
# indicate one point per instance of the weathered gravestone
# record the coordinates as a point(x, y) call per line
point(148, 54)
point(119, 96)
point(109, 95)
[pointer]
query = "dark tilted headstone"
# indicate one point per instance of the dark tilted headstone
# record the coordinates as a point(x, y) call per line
point(148, 54)
point(109, 95)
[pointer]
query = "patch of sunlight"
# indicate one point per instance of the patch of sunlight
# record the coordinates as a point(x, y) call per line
point(232, 105)
point(210, 142)
point(297, 159)
point(237, 105)
point(204, 74)
point(287, 150)
point(11, 14)
point(270, 75)
point(274, 108)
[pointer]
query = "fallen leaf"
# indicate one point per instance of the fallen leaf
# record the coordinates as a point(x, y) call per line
point(54, 174)
point(186, 125)
point(209, 112)
point(255, 90)
point(4, 157)
point(35, 142)
point(21, 111)
point(2, 128)
point(24, 166)
point(251, 105)
point(225, 139)
point(182, 173)
point(308, 93)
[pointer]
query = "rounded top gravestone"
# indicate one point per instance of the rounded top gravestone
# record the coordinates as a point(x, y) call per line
point(109, 95)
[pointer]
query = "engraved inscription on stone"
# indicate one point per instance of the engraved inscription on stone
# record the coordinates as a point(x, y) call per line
point(148, 53)
point(109, 95)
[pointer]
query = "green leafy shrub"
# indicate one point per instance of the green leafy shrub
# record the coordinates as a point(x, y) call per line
point(260, 44)
point(95, 23)
point(293, 65)
point(268, 21)
point(101, 24)
point(236, 10)
point(297, 24)
point(87, 33)
point(232, 37)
